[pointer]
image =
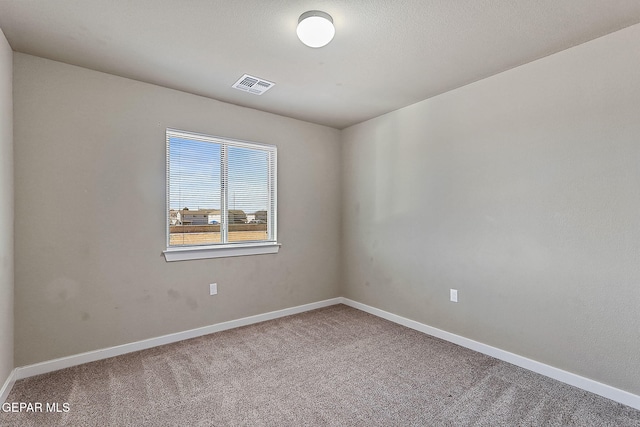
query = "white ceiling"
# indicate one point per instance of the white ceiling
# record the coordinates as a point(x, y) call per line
point(386, 54)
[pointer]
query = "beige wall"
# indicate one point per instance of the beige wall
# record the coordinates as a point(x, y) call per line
point(90, 156)
point(6, 210)
point(522, 191)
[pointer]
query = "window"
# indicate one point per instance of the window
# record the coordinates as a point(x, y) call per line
point(221, 197)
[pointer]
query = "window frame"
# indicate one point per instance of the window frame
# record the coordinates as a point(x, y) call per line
point(229, 249)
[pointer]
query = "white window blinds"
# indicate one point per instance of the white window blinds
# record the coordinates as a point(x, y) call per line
point(220, 191)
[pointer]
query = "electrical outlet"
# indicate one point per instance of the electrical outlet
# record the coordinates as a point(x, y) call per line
point(453, 295)
point(213, 289)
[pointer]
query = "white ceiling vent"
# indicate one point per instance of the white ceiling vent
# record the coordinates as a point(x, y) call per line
point(254, 85)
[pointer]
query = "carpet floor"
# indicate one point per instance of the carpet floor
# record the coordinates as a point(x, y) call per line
point(335, 366)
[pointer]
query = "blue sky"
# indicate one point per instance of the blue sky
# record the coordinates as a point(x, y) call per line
point(198, 165)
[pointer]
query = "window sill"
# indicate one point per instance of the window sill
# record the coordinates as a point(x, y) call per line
point(204, 252)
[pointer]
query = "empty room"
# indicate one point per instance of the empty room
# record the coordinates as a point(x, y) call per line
point(367, 213)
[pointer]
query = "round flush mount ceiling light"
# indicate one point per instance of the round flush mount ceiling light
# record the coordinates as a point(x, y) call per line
point(315, 28)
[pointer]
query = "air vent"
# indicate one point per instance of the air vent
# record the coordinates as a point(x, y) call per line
point(254, 85)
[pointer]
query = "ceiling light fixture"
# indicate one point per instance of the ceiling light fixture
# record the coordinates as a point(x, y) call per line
point(315, 28)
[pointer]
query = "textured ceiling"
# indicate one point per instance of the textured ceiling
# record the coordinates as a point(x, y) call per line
point(385, 55)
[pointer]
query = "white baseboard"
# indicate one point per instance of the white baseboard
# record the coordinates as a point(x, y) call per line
point(92, 356)
point(583, 383)
point(8, 385)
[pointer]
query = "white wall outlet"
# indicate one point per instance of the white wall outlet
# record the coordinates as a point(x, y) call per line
point(213, 289)
point(453, 295)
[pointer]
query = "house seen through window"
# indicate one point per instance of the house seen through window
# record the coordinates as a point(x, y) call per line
point(221, 192)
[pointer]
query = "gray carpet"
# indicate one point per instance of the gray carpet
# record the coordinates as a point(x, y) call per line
point(335, 366)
